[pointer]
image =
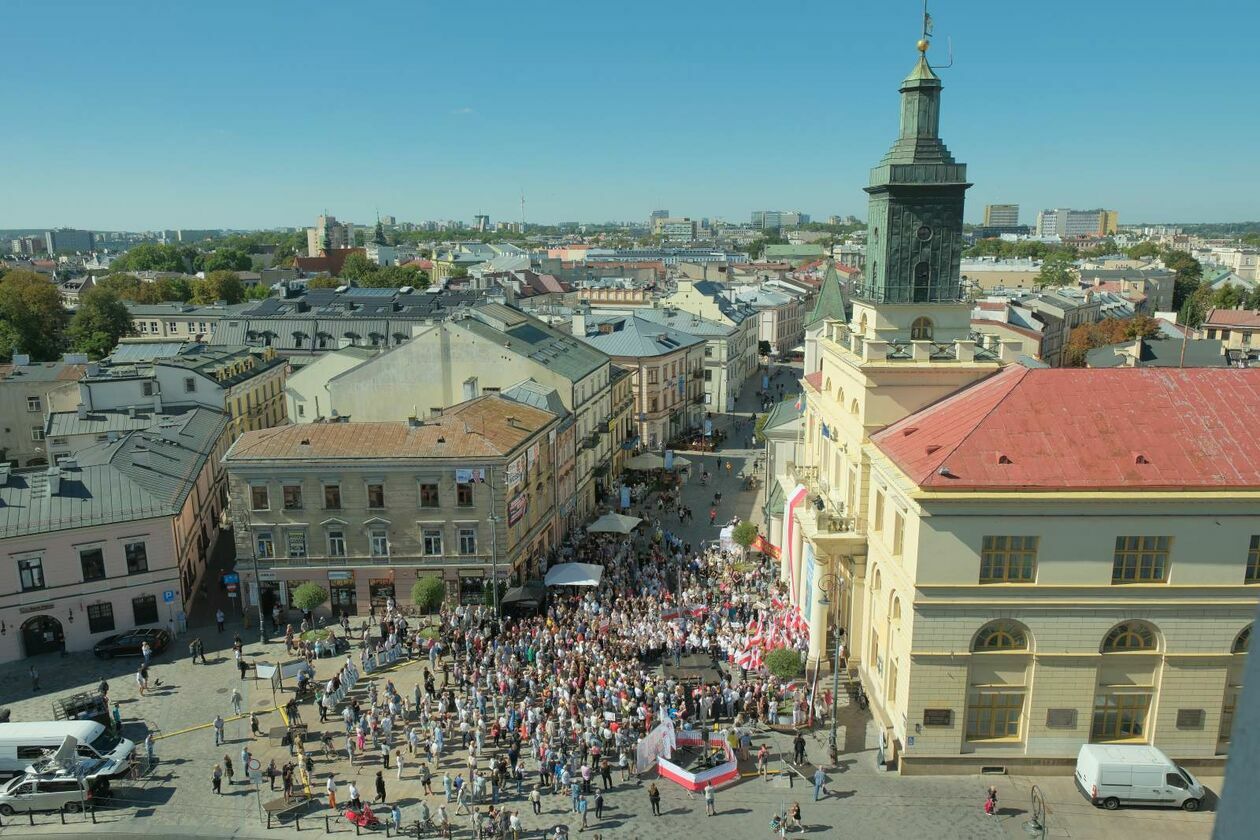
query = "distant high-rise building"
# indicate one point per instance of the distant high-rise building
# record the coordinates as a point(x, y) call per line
point(656, 214)
point(481, 222)
point(776, 219)
point(328, 233)
point(68, 241)
point(28, 246)
point(1001, 215)
point(674, 230)
point(1067, 223)
point(388, 221)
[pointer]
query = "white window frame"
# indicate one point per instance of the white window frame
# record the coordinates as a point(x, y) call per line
point(431, 538)
point(378, 542)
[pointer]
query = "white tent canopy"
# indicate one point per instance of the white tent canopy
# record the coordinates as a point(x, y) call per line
point(613, 523)
point(645, 461)
point(574, 574)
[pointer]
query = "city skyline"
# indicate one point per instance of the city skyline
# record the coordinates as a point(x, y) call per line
point(258, 127)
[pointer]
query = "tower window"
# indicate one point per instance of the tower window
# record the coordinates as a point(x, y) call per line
point(922, 282)
point(921, 329)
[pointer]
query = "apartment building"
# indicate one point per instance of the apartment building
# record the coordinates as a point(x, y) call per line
point(28, 393)
point(710, 301)
point(780, 314)
point(366, 509)
point(485, 349)
point(1001, 215)
point(113, 538)
point(1238, 329)
point(1066, 223)
point(666, 371)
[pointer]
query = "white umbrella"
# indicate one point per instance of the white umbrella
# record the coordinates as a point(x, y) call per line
point(574, 574)
point(645, 461)
point(613, 523)
point(680, 462)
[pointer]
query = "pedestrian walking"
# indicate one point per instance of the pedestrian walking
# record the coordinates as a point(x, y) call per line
point(148, 749)
point(216, 780)
point(218, 619)
point(117, 713)
point(599, 805)
point(709, 809)
point(243, 666)
point(228, 772)
point(535, 799)
point(332, 793)
point(254, 730)
point(820, 779)
point(798, 749)
point(654, 796)
point(581, 809)
point(763, 760)
point(990, 802)
point(236, 700)
point(218, 730)
point(356, 801)
point(34, 672)
point(398, 761)
point(380, 787)
point(272, 772)
point(794, 816)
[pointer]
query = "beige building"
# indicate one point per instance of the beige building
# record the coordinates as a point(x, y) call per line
point(1238, 329)
point(666, 371)
point(739, 361)
point(986, 274)
point(28, 394)
point(485, 350)
point(365, 509)
point(111, 539)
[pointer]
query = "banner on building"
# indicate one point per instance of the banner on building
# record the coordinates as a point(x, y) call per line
point(659, 743)
point(708, 428)
point(793, 501)
point(669, 459)
point(533, 456)
point(516, 472)
point(517, 508)
point(765, 547)
point(468, 476)
point(625, 497)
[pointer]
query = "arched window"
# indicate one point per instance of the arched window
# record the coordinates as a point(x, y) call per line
point(1000, 635)
point(829, 384)
point(840, 396)
point(853, 407)
point(1130, 636)
point(1242, 642)
point(921, 329)
point(894, 610)
point(922, 282)
point(876, 582)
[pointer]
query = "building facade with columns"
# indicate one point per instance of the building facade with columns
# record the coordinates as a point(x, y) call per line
point(1022, 561)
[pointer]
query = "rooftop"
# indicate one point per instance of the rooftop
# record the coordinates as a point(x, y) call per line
point(42, 372)
point(1085, 429)
point(141, 475)
point(631, 336)
point(1245, 318)
point(485, 427)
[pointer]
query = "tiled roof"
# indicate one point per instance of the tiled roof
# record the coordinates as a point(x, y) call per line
point(632, 337)
point(484, 427)
point(1085, 429)
point(42, 372)
point(1232, 318)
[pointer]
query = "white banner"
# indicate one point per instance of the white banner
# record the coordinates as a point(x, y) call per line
point(656, 744)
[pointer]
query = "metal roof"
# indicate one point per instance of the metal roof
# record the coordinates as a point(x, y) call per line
point(142, 475)
point(632, 336)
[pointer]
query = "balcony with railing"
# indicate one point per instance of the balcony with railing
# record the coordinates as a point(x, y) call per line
point(323, 561)
point(822, 515)
point(975, 348)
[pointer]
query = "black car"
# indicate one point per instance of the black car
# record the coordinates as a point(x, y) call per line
point(129, 643)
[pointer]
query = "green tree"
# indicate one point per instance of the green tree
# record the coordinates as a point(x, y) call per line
point(151, 256)
point(427, 593)
point(35, 320)
point(323, 283)
point(763, 348)
point(308, 597)
point(101, 319)
point(744, 533)
point(218, 286)
point(1189, 274)
point(394, 277)
point(378, 236)
point(260, 291)
point(1143, 250)
point(357, 266)
point(1055, 271)
point(227, 259)
point(758, 426)
point(1193, 310)
point(783, 663)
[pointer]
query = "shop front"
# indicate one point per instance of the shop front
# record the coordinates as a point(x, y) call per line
point(342, 596)
point(380, 590)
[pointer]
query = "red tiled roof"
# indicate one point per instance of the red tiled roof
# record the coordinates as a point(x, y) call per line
point(992, 305)
point(1085, 429)
point(331, 261)
point(1232, 318)
point(815, 380)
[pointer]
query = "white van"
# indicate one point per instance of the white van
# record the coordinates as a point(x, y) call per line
point(22, 744)
point(1112, 774)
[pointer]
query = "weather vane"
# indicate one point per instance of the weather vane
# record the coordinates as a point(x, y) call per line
point(926, 40)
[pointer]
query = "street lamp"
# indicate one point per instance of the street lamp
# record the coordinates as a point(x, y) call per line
point(825, 585)
point(253, 558)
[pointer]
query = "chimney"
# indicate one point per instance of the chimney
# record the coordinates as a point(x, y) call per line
point(81, 410)
point(131, 411)
point(579, 322)
point(53, 474)
point(4, 475)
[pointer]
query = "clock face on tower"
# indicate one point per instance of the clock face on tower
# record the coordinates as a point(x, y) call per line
point(924, 233)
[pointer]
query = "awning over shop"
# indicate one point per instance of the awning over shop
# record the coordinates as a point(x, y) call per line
point(574, 574)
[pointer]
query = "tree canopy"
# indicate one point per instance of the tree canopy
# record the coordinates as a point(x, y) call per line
point(130, 288)
point(1056, 270)
point(218, 286)
point(361, 271)
point(1107, 331)
point(308, 597)
point(101, 319)
point(32, 319)
point(152, 256)
point(783, 663)
point(227, 259)
point(427, 593)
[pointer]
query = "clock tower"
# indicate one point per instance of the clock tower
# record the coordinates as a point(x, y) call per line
point(914, 232)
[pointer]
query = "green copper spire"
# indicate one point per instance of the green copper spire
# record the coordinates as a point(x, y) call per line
point(914, 235)
point(830, 302)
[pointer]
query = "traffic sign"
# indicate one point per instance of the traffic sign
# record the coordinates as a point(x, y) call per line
point(231, 577)
point(169, 596)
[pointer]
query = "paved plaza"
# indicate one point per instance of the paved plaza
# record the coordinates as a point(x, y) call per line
point(175, 797)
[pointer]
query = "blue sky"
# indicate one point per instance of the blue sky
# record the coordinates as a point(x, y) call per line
point(137, 115)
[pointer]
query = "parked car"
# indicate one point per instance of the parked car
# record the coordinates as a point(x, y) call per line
point(45, 793)
point(129, 643)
